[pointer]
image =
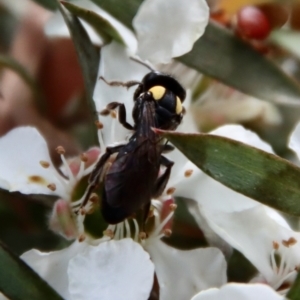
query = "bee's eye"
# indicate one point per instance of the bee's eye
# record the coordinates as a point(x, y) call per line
point(157, 92)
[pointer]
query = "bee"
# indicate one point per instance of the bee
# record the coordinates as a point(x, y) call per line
point(133, 178)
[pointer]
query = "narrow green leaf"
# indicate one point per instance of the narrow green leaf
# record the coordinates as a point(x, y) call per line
point(89, 59)
point(19, 282)
point(49, 4)
point(294, 292)
point(101, 25)
point(87, 53)
point(219, 54)
point(264, 177)
point(225, 57)
point(123, 10)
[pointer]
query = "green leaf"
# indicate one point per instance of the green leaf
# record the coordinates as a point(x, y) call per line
point(101, 25)
point(49, 4)
point(123, 10)
point(89, 59)
point(219, 54)
point(264, 177)
point(19, 282)
point(294, 292)
point(223, 56)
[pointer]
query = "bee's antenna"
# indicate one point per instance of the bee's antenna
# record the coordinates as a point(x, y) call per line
point(142, 63)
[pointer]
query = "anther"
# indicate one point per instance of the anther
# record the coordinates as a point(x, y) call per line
point(275, 245)
point(81, 238)
point(60, 150)
point(94, 198)
point(98, 124)
point(188, 173)
point(167, 232)
point(142, 235)
point(113, 114)
point(83, 211)
point(173, 206)
point(51, 187)
point(109, 233)
point(83, 157)
point(44, 164)
point(171, 190)
point(290, 242)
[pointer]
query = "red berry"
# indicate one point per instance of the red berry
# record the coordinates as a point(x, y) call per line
point(253, 23)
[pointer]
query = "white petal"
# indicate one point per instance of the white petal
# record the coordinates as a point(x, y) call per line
point(209, 193)
point(239, 291)
point(111, 270)
point(53, 266)
point(252, 232)
point(167, 29)
point(21, 150)
point(239, 133)
point(181, 274)
point(295, 140)
point(116, 65)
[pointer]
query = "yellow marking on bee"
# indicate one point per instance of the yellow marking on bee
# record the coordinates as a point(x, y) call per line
point(157, 92)
point(178, 106)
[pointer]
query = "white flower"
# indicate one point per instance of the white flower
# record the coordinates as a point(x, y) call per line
point(252, 228)
point(26, 167)
point(75, 272)
point(239, 292)
point(110, 270)
point(165, 29)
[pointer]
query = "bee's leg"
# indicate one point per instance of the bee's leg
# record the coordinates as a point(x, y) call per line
point(167, 148)
point(97, 172)
point(121, 115)
point(162, 180)
point(127, 84)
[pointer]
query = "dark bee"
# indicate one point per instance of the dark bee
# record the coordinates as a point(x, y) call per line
point(133, 177)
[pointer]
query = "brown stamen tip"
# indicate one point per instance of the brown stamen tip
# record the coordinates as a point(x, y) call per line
point(83, 157)
point(290, 242)
point(109, 233)
point(44, 164)
point(104, 112)
point(173, 206)
point(98, 124)
point(113, 114)
point(60, 150)
point(94, 198)
point(188, 173)
point(275, 245)
point(167, 232)
point(171, 190)
point(142, 235)
point(83, 211)
point(51, 187)
point(81, 238)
